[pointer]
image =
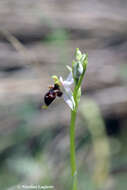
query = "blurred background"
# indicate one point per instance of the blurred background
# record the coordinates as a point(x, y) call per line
point(37, 40)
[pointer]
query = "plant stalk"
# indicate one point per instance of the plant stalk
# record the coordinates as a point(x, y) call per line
point(72, 145)
point(72, 128)
point(72, 150)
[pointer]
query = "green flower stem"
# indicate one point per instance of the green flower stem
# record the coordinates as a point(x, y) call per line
point(72, 149)
point(72, 142)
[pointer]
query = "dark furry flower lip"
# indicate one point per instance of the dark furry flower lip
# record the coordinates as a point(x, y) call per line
point(51, 95)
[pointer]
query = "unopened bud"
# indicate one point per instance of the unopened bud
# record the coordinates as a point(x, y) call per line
point(78, 54)
point(77, 70)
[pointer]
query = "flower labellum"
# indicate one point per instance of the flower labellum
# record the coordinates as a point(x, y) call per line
point(52, 94)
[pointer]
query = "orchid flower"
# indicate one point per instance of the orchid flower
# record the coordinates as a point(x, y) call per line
point(62, 88)
point(66, 89)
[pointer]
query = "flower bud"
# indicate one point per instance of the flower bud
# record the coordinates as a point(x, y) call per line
point(77, 70)
point(78, 54)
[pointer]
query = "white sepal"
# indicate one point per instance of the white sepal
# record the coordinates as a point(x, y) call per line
point(67, 93)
